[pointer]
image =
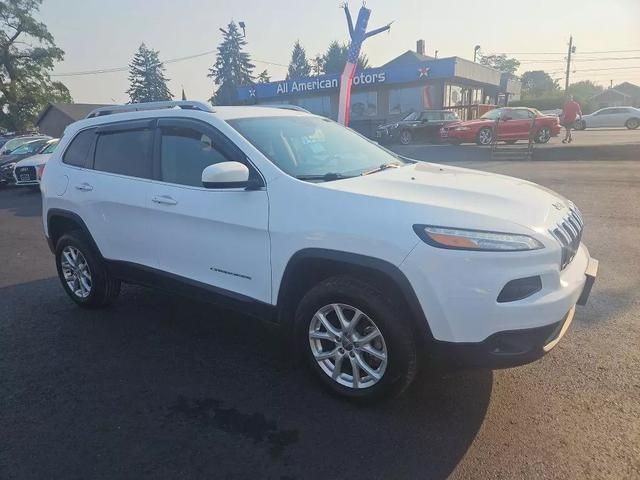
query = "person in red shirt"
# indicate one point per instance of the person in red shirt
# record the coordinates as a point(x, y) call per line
point(570, 113)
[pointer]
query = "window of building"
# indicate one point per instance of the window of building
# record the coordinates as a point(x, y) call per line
point(184, 153)
point(405, 100)
point(77, 153)
point(455, 95)
point(320, 105)
point(364, 104)
point(125, 152)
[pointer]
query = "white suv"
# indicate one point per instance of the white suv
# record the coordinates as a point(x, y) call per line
point(374, 263)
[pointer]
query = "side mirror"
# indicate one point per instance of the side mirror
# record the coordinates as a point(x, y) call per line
point(226, 175)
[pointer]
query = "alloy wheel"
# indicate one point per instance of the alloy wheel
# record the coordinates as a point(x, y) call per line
point(348, 346)
point(544, 135)
point(76, 272)
point(405, 138)
point(632, 124)
point(485, 136)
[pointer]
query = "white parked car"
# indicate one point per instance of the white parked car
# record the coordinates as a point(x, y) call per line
point(373, 263)
point(611, 117)
point(28, 172)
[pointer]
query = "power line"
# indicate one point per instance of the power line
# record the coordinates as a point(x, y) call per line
point(172, 60)
point(592, 52)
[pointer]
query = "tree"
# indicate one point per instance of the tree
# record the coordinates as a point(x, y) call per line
point(264, 77)
point(538, 83)
point(299, 65)
point(500, 62)
point(233, 67)
point(27, 55)
point(317, 65)
point(336, 57)
point(146, 77)
point(584, 90)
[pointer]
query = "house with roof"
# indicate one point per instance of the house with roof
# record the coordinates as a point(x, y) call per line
point(57, 116)
point(625, 94)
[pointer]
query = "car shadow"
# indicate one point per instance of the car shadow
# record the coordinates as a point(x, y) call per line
point(159, 386)
point(19, 201)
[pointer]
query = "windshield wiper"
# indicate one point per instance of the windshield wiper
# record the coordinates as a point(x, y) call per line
point(325, 177)
point(382, 167)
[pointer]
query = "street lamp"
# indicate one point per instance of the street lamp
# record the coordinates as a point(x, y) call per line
point(243, 26)
point(475, 53)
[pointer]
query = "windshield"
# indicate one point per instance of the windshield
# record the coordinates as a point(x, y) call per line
point(492, 114)
point(50, 148)
point(27, 148)
point(411, 117)
point(311, 146)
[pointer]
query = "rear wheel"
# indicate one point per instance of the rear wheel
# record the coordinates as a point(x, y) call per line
point(632, 123)
point(485, 136)
point(355, 339)
point(543, 135)
point(83, 274)
point(406, 137)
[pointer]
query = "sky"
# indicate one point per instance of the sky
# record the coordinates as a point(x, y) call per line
point(104, 34)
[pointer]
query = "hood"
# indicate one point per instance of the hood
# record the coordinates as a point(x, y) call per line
point(5, 159)
point(34, 160)
point(465, 191)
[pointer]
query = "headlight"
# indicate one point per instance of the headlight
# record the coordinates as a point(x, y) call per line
point(395, 125)
point(463, 239)
point(462, 128)
point(9, 166)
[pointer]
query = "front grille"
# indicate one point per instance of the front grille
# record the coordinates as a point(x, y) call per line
point(569, 233)
point(26, 174)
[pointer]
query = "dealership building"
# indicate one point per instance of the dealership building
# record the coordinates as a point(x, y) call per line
point(409, 82)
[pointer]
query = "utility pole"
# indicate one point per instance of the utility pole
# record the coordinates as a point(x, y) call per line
point(571, 50)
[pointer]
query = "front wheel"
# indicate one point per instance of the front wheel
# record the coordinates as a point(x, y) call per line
point(406, 137)
point(485, 136)
point(543, 135)
point(83, 274)
point(356, 339)
point(632, 123)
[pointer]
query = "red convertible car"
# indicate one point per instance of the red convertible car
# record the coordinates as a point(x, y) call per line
point(511, 124)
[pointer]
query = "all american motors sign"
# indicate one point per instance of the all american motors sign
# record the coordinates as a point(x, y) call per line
point(307, 85)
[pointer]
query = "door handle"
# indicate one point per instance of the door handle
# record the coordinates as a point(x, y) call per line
point(84, 187)
point(164, 200)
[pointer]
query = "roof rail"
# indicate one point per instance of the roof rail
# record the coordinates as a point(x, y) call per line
point(139, 107)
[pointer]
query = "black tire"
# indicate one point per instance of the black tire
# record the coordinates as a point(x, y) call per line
point(387, 315)
point(632, 123)
point(580, 125)
point(104, 288)
point(543, 135)
point(485, 136)
point(510, 142)
point(405, 137)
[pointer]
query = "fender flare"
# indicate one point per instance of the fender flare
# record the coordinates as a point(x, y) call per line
point(384, 267)
point(75, 218)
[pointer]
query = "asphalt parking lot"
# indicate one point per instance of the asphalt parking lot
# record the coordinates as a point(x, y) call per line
point(164, 387)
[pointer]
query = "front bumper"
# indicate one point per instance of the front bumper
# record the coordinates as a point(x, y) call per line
point(386, 135)
point(458, 290)
point(504, 349)
point(458, 136)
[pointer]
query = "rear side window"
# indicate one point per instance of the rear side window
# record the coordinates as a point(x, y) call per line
point(450, 116)
point(125, 152)
point(77, 153)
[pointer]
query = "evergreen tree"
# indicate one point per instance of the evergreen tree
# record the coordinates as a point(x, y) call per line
point(264, 77)
point(233, 67)
point(299, 65)
point(336, 58)
point(146, 77)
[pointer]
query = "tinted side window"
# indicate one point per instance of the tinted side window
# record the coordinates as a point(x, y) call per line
point(521, 114)
point(77, 153)
point(185, 152)
point(125, 152)
point(450, 116)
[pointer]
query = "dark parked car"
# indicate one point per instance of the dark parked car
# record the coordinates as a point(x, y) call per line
point(416, 126)
point(7, 162)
